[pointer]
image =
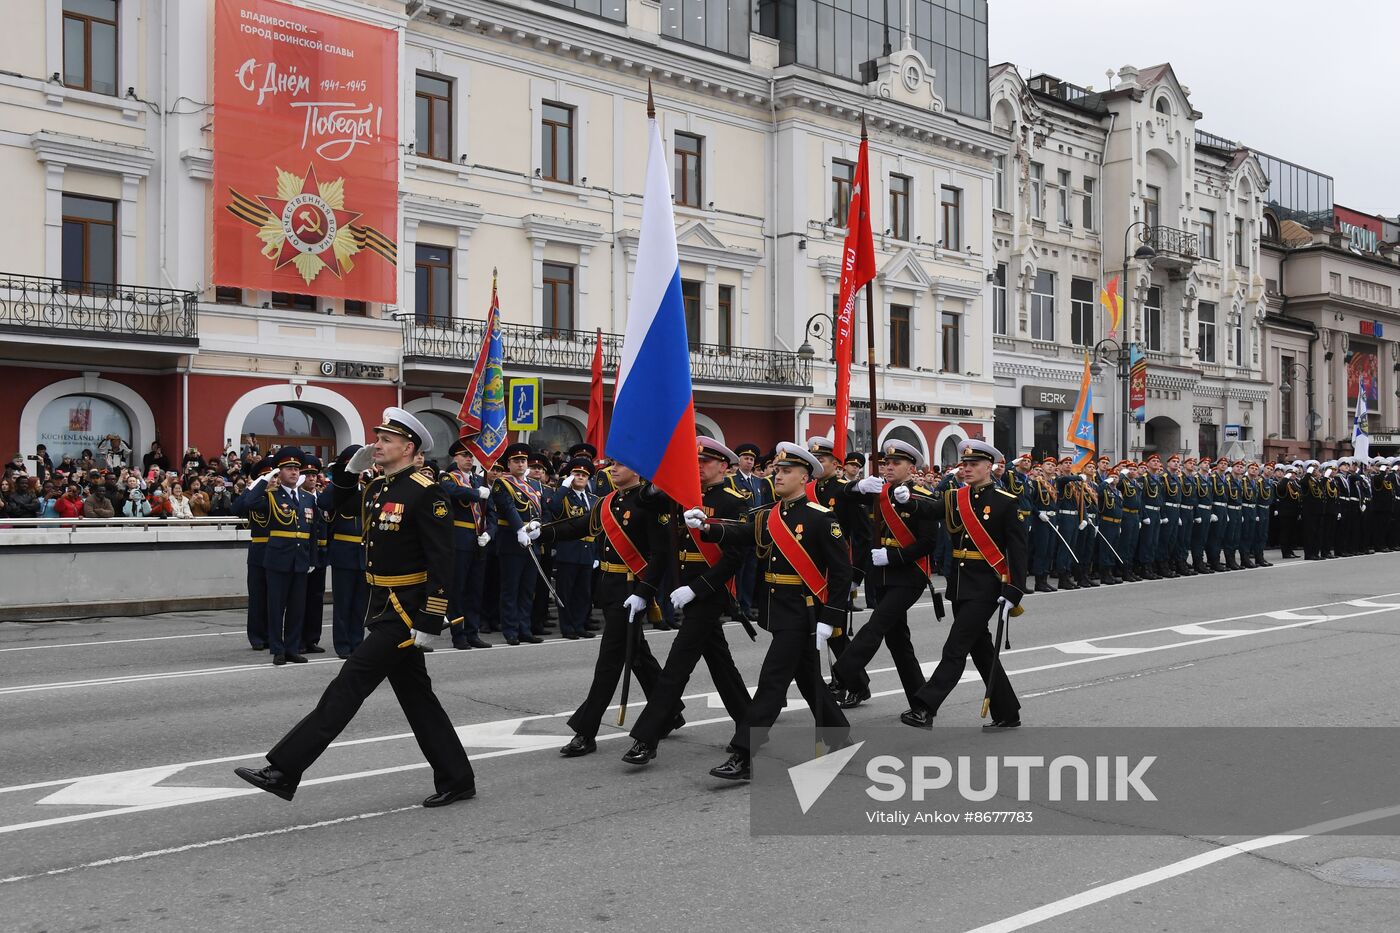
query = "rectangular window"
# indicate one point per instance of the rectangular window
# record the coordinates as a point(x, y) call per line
point(558, 305)
point(951, 341)
point(356, 308)
point(691, 298)
point(1207, 234)
point(433, 114)
point(726, 315)
point(999, 182)
point(1045, 434)
point(89, 242)
point(1152, 206)
point(899, 207)
point(1043, 306)
point(689, 151)
point(1089, 206)
point(90, 45)
point(1081, 312)
point(1239, 241)
point(999, 323)
point(1285, 408)
point(432, 284)
point(899, 336)
point(224, 295)
point(292, 301)
point(720, 25)
point(1205, 331)
point(1239, 346)
point(950, 200)
point(1152, 319)
point(1037, 189)
point(615, 10)
point(842, 178)
point(557, 143)
point(1064, 193)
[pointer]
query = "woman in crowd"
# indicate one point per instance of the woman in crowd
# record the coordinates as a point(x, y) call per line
point(70, 504)
point(135, 505)
point(179, 503)
point(200, 504)
point(47, 500)
point(158, 506)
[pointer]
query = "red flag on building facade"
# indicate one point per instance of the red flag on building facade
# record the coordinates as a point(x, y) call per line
point(857, 268)
point(594, 434)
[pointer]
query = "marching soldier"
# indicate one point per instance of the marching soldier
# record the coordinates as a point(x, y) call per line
point(345, 553)
point(1017, 482)
point(1386, 529)
point(990, 542)
point(1086, 542)
point(518, 507)
point(831, 491)
point(472, 520)
point(1205, 517)
point(1314, 510)
point(409, 567)
point(252, 505)
point(633, 549)
point(902, 515)
point(1042, 537)
point(806, 581)
point(574, 559)
point(706, 591)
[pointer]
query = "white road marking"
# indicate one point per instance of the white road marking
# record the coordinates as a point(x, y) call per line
point(1088, 647)
point(208, 844)
point(130, 788)
point(490, 730)
point(117, 641)
point(1175, 869)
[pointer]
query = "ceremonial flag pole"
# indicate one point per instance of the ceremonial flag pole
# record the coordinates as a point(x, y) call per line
point(857, 269)
point(483, 412)
point(1360, 439)
point(1080, 433)
point(594, 434)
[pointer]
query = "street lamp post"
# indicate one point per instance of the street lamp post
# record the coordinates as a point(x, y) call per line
point(1144, 252)
point(1286, 387)
point(817, 326)
point(1100, 354)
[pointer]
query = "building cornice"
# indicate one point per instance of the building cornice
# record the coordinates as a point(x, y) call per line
point(93, 154)
point(559, 230)
point(429, 210)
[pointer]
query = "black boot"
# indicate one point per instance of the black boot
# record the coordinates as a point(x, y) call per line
point(735, 769)
point(641, 753)
point(1042, 584)
point(1066, 582)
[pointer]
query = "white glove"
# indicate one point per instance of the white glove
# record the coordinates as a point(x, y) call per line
point(595, 565)
point(695, 518)
point(870, 484)
point(1339, 518)
point(824, 632)
point(362, 460)
point(880, 557)
point(1363, 508)
point(311, 569)
point(301, 478)
point(482, 540)
point(1214, 517)
point(522, 537)
point(1308, 470)
point(268, 477)
point(901, 494)
point(634, 604)
point(1198, 519)
point(533, 530)
point(1084, 524)
point(422, 639)
point(1179, 522)
point(1003, 602)
point(484, 492)
point(681, 597)
point(1146, 520)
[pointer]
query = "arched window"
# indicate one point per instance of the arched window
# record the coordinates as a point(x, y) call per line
point(902, 432)
point(949, 455)
point(704, 431)
point(74, 423)
point(1163, 106)
point(1270, 226)
point(556, 433)
point(444, 430)
point(284, 424)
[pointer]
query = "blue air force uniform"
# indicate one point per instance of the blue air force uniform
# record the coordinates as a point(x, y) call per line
point(288, 559)
point(517, 504)
point(253, 506)
point(345, 555)
point(574, 557)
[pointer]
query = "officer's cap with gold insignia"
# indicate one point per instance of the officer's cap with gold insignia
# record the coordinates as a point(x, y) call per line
point(404, 424)
point(821, 446)
point(290, 456)
point(459, 446)
point(707, 448)
point(794, 455)
point(899, 450)
point(973, 449)
point(583, 450)
point(517, 451)
point(310, 463)
point(855, 458)
point(579, 464)
point(750, 448)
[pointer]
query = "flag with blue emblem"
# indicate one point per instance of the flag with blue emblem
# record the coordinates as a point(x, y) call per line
point(1081, 426)
point(483, 413)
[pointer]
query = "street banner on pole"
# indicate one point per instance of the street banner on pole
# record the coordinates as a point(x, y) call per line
point(1137, 383)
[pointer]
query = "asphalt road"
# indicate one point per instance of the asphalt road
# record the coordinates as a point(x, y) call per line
point(119, 809)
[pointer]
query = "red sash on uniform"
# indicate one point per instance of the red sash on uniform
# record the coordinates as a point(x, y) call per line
point(788, 545)
point(812, 491)
point(618, 538)
point(978, 532)
point(900, 530)
point(526, 488)
point(712, 553)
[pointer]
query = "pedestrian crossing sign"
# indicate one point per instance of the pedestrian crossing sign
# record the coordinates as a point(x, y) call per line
point(524, 411)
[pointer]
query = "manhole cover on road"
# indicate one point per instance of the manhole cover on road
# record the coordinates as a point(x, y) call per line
point(1361, 872)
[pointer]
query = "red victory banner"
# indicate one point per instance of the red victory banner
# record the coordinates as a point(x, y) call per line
point(306, 123)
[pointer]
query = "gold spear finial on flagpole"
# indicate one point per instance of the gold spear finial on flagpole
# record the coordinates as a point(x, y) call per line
point(651, 102)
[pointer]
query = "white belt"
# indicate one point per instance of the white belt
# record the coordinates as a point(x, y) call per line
point(1235, 507)
point(1206, 507)
point(1153, 508)
point(1068, 512)
point(1173, 505)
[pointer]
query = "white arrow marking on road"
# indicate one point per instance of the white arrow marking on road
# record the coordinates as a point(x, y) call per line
point(1371, 604)
point(503, 735)
point(1087, 647)
point(1197, 628)
point(1284, 615)
point(134, 789)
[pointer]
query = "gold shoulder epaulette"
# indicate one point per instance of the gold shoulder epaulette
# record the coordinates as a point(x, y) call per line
point(1004, 493)
point(819, 508)
point(735, 493)
point(923, 490)
point(420, 479)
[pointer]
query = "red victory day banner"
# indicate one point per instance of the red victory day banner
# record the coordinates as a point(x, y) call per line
point(306, 123)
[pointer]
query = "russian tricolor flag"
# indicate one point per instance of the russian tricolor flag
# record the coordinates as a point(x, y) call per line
point(653, 427)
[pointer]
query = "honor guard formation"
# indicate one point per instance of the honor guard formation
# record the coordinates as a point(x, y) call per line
point(793, 543)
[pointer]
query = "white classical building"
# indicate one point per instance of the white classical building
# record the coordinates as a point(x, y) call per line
point(1097, 181)
point(522, 151)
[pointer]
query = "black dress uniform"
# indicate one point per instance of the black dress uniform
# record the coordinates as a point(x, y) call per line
point(974, 589)
point(649, 533)
point(345, 552)
point(790, 610)
point(1314, 510)
point(517, 503)
point(314, 616)
point(408, 541)
point(287, 560)
point(252, 505)
point(900, 583)
point(471, 517)
point(574, 560)
point(701, 631)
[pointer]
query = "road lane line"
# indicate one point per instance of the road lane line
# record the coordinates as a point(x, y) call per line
point(118, 641)
point(1113, 889)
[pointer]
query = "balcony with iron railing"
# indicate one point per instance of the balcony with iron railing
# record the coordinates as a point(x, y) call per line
point(1172, 244)
point(548, 350)
point(34, 306)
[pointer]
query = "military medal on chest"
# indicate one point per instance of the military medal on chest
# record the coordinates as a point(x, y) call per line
point(390, 516)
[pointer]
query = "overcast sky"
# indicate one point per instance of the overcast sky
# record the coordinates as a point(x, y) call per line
point(1310, 81)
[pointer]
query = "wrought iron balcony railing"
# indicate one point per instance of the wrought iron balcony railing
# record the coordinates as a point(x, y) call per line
point(545, 349)
point(33, 304)
point(1172, 243)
